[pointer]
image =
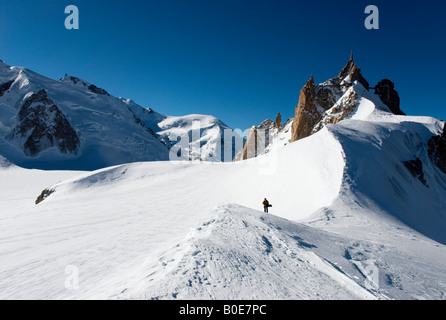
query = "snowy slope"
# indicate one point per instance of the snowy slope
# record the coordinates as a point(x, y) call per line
point(376, 144)
point(117, 223)
point(129, 234)
point(354, 224)
point(110, 130)
point(241, 253)
point(349, 219)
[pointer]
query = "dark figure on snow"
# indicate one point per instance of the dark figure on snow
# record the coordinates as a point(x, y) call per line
point(266, 205)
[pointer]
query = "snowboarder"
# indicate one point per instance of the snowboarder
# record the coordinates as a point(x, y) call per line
point(266, 205)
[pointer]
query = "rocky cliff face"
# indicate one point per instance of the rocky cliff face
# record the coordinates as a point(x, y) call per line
point(42, 126)
point(385, 89)
point(278, 122)
point(5, 87)
point(334, 101)
point(83, 83)
point(351, 73)
point(308, 112)
point(330, 102)
point(344, 108)
point(258, 139)
point(437, 150)
point(262, 138)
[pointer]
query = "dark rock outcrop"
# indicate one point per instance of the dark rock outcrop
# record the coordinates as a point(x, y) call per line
point(385, 89)
point(437, 150)
point(352, 71)
point(5, 87)
point(97, 90)
point(76, 80)
point(44, 126)
point(141, 123)
point(416, 169)
point(259, 138)
point(45, 194)
point(91, 87)
point(278, 122)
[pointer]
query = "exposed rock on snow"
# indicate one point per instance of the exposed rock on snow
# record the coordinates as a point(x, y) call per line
point(43, 125)
point(45, 194)
point(385, 89)
point(260, 138)
point(110, 130)
point(315, 100)
point(278, 122)
point(416, 169)
point(353, 73)
point(97, 90)
point(307, 114)
point(343, 109)
point(437, 150)
point(5, 87)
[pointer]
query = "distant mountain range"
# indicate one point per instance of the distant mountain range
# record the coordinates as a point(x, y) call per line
point(73, 124)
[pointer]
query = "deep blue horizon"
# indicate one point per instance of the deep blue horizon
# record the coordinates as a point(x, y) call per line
point(241, 61)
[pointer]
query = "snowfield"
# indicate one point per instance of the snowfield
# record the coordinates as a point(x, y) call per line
point(348, 221)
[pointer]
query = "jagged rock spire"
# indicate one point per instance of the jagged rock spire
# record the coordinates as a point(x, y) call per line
point(352, 70)
point(278, 122)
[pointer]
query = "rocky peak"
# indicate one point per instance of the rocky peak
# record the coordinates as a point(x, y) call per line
point(353, 73)
point(79, 82)
point(385, 89)
point(75, 80)
point(43, 125)
point(278, 122)
point(307, 114)
point(334, 100)
point(259, 138)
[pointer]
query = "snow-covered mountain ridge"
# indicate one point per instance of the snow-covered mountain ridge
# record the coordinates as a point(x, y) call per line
point(73, 124)
point(359, 212)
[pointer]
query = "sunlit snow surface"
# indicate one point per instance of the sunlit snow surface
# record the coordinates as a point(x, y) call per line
point(348, 222)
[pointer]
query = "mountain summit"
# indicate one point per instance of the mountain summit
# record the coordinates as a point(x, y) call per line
point(336, 100)
point(321, 104)
point(74, 124)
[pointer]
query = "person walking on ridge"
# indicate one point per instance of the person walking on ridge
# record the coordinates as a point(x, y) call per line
point(266, 205)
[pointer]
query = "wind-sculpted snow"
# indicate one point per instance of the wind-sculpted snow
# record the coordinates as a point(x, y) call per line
point(241, 253)
point(114, 225)
point(382, 176)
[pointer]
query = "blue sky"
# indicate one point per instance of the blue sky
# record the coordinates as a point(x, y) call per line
point(240, 60)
